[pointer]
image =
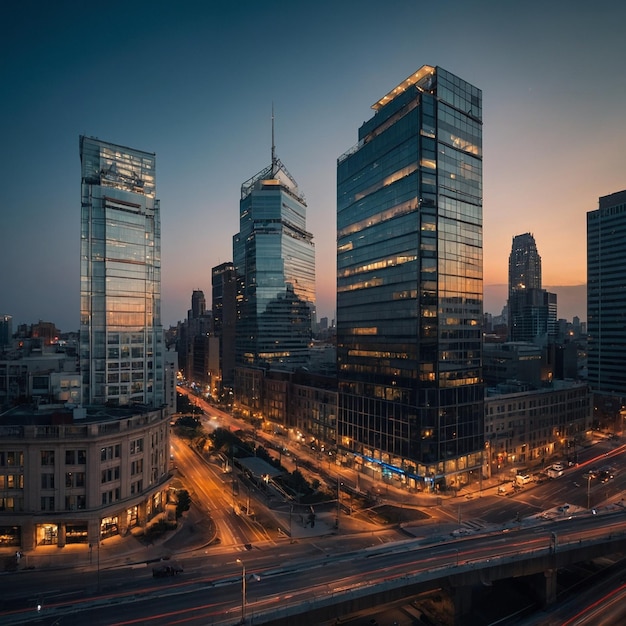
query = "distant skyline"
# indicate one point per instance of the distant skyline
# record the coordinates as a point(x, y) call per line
point(194, 82)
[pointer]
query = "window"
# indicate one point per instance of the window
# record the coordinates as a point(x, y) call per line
point(136, 467)
point(107, 475)
point(74, 479)
point(11, 457)
point(47, 503)
point(47, 481)
point(110, 452)
point(75, 457)
point(111, 496)
point(47, 457)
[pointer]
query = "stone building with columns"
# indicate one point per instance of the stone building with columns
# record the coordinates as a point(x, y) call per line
point(81, 475)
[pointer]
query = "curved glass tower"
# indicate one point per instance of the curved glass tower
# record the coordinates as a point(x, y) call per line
point(410, 284)
point(121, 337)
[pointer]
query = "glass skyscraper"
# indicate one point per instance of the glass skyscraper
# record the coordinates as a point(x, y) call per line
point(224, 309)
point(532, 310)
point(410, 284)
point(121, 337)
point(274, 260)
point(524, 264)
point(606, 296)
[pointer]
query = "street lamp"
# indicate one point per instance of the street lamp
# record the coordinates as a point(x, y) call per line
point(588, 490)
point(243, 590)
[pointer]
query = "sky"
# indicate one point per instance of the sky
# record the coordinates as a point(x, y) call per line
point(195, 82)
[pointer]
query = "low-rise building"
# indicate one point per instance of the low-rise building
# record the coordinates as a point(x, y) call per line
point(80, 476)
point(529, 427)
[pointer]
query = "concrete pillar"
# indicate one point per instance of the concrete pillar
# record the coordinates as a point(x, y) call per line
point(61, 536)
point(93, 531)
point(141, 514)
point(550, 587)
point(544, 587)
point(462, 598)
point(29, 540)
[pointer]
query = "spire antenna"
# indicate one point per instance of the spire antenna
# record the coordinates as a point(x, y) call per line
point(273, 146)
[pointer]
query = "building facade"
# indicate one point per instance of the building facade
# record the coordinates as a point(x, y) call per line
point(606, 296)
point(532, 310)
point(530, 427)
point(274, 259)
point(6, 331)
point(121, 337)
point(82, 476)
point(224, 308)
point(410, 283)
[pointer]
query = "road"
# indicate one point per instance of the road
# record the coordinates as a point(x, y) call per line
point(210, 589)
point(212, 490)
point(202, 600)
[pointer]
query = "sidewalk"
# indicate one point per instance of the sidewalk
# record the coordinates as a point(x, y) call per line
point(194, 531)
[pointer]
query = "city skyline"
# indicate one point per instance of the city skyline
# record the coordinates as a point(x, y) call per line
point(196, 84)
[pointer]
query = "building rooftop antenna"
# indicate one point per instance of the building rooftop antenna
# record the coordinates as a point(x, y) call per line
point(273, 146)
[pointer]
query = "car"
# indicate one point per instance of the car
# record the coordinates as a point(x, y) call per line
point(165, 571)
point(558, 467)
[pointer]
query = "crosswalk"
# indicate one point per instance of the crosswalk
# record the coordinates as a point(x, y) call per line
point(475, 525)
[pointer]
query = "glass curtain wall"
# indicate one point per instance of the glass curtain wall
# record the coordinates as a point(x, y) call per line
point(274, 258)
point(121, 338)
point(606, 296)
point(409, 284)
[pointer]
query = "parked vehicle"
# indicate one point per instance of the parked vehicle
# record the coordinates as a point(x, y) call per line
point(553, 472)
point(522, 479)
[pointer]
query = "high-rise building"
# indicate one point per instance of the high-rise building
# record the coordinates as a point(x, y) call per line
point(606, 296)
point(198, 304)
point(197, 344)
point(121, 337)
point(532, 310)
point(224, 307)
point(6, 331)
point(410, 284)
point(524, 264)
point(274, 259)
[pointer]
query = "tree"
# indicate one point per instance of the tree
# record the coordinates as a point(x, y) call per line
point(183, 502)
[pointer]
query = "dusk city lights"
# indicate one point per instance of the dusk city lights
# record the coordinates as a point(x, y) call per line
point(312, 313)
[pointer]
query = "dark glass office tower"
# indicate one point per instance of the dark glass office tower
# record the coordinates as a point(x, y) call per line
point(224, 308)
point(410, 285)
point(606, 296)
point(274, 259)
point(532, 310)
point(121, 337)
point(524, 264)
point(198, 304)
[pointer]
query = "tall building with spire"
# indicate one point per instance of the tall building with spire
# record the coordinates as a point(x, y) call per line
point(532, 310)
point(410, 284)
point(274, 260)
point(121, 337)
